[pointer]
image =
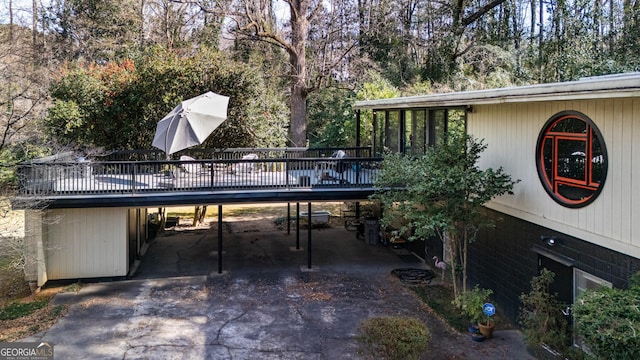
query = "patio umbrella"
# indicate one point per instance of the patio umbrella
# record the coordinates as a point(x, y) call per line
point(191, 122)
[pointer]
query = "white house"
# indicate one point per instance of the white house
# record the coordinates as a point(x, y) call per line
point(574, 146)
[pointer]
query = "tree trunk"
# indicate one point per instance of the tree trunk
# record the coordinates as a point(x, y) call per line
point(298, 64)
point(298, 103)
point(34, 23)
point(199, 213)
point(454, 250)
point(465, 251)
point(10, 21)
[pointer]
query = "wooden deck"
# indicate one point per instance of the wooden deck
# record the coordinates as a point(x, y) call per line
point(88, 180)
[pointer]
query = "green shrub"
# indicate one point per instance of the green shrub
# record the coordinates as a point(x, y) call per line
point(541, 317)
point(609, 321)
point(394, 337)
point(471, 304)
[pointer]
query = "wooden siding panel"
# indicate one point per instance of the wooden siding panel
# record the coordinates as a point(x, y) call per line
point(87, 243)
point(511, 132)
point(614, 151)
point(634, 195)
point(625, 172)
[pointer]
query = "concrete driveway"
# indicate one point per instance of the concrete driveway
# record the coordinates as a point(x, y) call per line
point(266, 304)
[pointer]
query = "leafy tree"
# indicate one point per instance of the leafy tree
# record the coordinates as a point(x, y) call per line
point(609, 321)
point(94, 30)
point(117, 105)
point(331, 118)
point(442, 193)
point(316, 38)
point(23, 100)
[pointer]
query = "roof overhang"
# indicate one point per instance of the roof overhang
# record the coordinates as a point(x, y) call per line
point(610, 86)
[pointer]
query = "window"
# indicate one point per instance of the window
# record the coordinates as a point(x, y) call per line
point(571, 159)
point(583, 281)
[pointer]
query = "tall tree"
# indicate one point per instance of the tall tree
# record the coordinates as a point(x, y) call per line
point(256, 20)
point(443, 193)
point(93, 29)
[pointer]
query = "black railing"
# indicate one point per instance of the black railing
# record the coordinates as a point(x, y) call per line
point(266, 169)
point(232, 154)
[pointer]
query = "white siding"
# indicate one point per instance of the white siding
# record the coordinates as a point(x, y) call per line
point(511, 132)
point(85, 243)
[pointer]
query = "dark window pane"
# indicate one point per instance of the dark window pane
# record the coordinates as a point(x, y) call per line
point(408, 132)
point(597, 162)
point(570, 125)
point(574, 192)
point(571, 159)
point(547, 151)
point(378, 142)
point(419, 132)
point(440, 125)
point(392, 132)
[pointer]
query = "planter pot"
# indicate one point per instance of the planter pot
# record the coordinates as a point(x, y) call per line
point(486, 329)
point(472, 328)
point(477, 337)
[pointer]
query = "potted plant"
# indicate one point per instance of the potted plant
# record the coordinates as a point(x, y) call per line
point(471, 305)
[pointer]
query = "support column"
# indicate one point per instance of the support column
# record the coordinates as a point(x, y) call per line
point(358, 130)
point(309, 235)
point(219, 239)
point(288, 218)
point(297, 226)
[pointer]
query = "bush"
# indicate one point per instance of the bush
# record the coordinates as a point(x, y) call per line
point(541, 317)
point(394, 337)
point(471, 304)
point(609, 321)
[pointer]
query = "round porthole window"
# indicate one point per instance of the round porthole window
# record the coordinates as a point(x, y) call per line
point(572, 159)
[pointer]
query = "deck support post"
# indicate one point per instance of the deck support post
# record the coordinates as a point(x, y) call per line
point(288, 218)
point(309, 235)
point(297, 226)
point(219, 239)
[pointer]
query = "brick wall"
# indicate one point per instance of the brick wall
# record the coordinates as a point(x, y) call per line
point(502, 259)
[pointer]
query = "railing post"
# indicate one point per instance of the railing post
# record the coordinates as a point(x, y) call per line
point(133, 180)
point(212, 173)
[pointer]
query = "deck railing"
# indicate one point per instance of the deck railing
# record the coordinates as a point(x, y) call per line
point(272, 169)
point(233, 153)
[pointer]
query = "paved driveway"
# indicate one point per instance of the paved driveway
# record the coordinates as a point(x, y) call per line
point(266, 305)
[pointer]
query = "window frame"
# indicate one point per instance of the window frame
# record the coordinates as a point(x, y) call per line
point(552, 186)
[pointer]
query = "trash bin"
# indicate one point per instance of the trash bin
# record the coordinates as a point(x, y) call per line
point(304, 181)
point(371, 230)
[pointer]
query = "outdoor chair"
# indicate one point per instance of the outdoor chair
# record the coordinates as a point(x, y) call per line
point(246, 167)
point(191, 167)
point(333, 170)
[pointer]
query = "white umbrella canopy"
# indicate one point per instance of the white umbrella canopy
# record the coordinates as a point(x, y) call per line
point(191, 122)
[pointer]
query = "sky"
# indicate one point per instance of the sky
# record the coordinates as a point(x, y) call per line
point(22, 10)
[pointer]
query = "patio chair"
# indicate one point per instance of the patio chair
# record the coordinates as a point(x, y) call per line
point(333, 170)
point(246, 167)
point(191, 168)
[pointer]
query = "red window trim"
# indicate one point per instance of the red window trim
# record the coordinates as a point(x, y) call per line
point(554, 137)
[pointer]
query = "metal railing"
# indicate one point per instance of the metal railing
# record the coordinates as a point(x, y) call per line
point(233, 153)
point(272, 169)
